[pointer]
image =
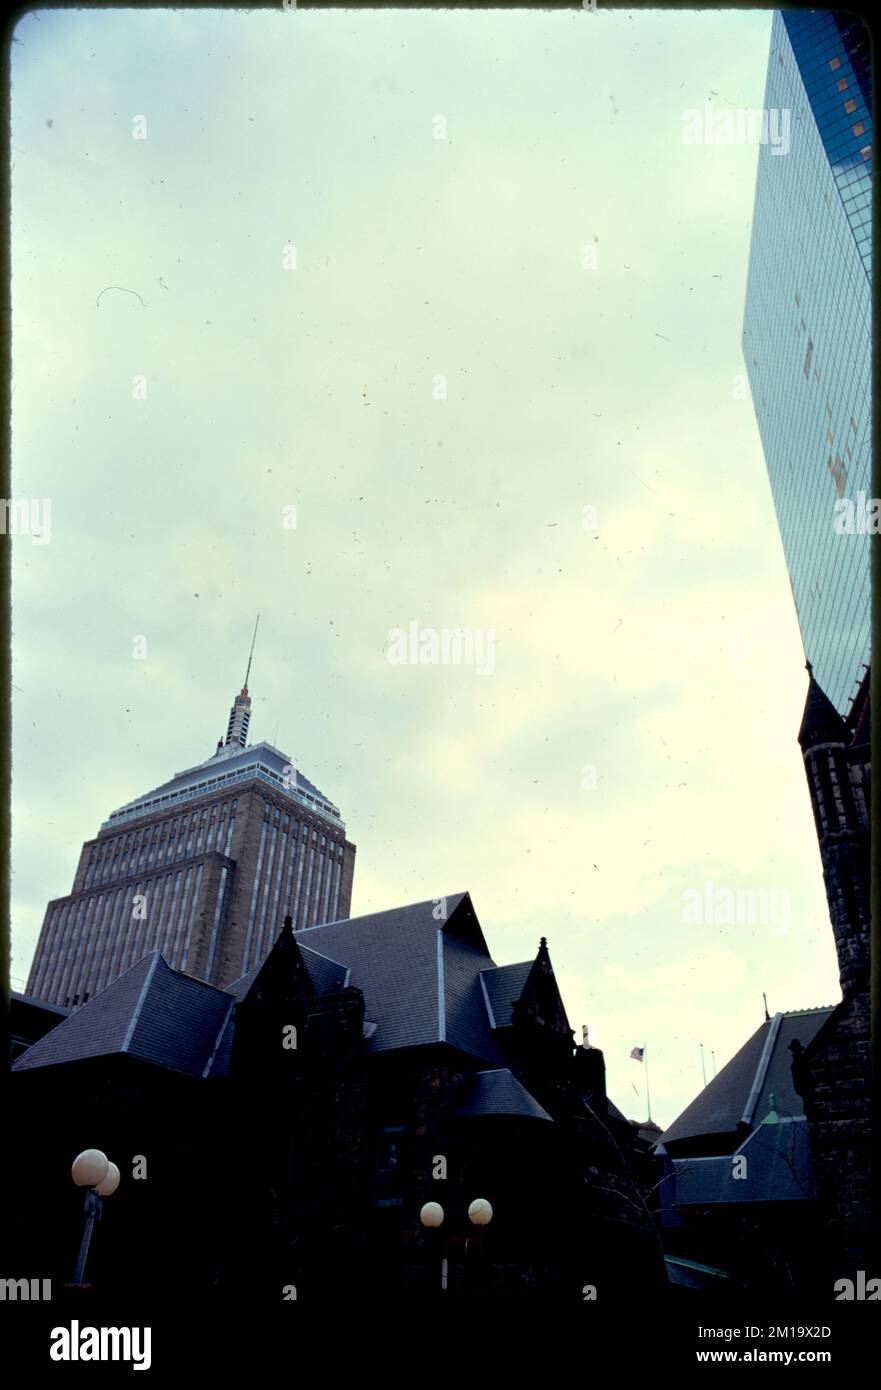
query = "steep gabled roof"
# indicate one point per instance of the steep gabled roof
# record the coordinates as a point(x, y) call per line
point(419, 970)
point(324, 973)
point(740, 1093)
point(151, 1012)
point(541, 997)
point(503, 985)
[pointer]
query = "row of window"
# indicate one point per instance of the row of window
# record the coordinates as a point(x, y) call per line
point(306, 885)
point(836, 796)
point(161, 843)
point(220, 784)
point(86, 944)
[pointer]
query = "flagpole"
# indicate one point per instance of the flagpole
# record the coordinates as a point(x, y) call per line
point(648, 1101)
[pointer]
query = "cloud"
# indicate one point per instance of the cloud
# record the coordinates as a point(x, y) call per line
point(659, 646)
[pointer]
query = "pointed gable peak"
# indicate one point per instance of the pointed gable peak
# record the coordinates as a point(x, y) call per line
point(460, 919)
point(821, 722)
point(542, 961)
point(281, 975)
point(540, 998)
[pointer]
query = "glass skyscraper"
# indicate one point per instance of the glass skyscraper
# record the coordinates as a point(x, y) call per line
point(807, 330)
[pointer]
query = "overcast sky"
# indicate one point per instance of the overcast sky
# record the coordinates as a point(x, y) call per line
point(439, 351)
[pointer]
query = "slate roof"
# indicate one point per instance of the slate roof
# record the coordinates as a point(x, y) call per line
point(324, 973)
point(420, 974)
point(504, 986)
point(742, 1089)
point(778, 1169)
point(615, 1113)
point(152, 1012)
point(496, 1092)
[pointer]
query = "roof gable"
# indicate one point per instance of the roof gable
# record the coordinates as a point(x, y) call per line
point(151, 1012)
point(393, 958)
point(288, 959)
point(421, 970)
point(418, 968)
point(465, 1022)
point(540, 1000)
point(740, 1094)
point(503, 986)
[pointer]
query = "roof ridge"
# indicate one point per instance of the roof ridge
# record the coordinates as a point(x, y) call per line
point(173, 969)
point(136, 1011)
point(206, 1070)
point(312, 951)
point(814, 1009)
point(382, 912)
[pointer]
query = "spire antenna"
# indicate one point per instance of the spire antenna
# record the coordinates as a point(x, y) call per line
point(240, 714)
point(251, 656)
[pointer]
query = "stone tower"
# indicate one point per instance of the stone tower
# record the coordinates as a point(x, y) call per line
point(837, 763)
point(832, 1074)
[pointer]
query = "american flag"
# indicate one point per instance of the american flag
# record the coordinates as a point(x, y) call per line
point(637, 1053)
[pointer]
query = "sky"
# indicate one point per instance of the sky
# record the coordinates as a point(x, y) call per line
point(364, 320)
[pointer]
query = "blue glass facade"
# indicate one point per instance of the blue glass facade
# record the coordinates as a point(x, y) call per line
point(807, 331)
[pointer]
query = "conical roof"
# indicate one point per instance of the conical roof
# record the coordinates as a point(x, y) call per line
point(821, 722)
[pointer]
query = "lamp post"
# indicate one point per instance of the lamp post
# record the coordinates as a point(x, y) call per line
point(93, 1170)
point(432, 1218)
point(480, 1214)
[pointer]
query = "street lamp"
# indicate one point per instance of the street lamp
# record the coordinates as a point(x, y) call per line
point(480, 1213)
point(93, 1170)
point(432, 1215)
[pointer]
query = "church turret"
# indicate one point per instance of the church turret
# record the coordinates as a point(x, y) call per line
point(821, 722)
point(841, 820)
